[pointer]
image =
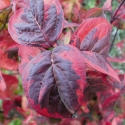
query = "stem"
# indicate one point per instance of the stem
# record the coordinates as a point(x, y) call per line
point(114, 15)
point(112, 44)
point(1, 111)
point(6, 20)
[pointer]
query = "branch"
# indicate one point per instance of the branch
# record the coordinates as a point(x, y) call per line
point(112, 44)
point(114, 15)
point(6, 20)
point(1, 111)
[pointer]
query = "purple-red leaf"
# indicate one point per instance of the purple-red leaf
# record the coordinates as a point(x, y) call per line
point(54, 81)
point(110, 101)
point(92, 38)
point(37, 25)
point(96, 82)
point(114, 98)
point(99, 63)
point(100, 24)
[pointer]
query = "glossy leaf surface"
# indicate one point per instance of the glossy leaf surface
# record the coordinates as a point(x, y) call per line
point(40, 24)
point(54, 81)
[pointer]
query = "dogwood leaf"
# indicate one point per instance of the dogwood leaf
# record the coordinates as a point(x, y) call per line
point(54, 82)
point(40, 24)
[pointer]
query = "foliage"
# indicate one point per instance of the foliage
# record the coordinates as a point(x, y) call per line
point(62, 62)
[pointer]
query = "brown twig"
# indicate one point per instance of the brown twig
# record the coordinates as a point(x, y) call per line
point(113, 41)
point(114, 15)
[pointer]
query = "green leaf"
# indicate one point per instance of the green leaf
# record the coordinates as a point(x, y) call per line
point(15, 122)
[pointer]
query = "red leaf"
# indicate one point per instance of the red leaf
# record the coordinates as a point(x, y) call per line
point(54, 82)
point(124, 78)
point(117, 121)
point(68, 24)
point(11, 85)
point(2, 83)
point(7, 106)
point(121, 13)
point(92, 38)
point(100, 24)
point(64, 38)
point(93, 12)
point(96, 82)
point(9, 59)
point(13, 104)
point(39, 25)
point(4, 4)
point(26, 54)
point(70, 122)
point(8, 52)
point(120, 44)
point(107, 5)
point(99, 63)
point(71, 10)
point(110, 101)
point(117, 60)
point(17, 4)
